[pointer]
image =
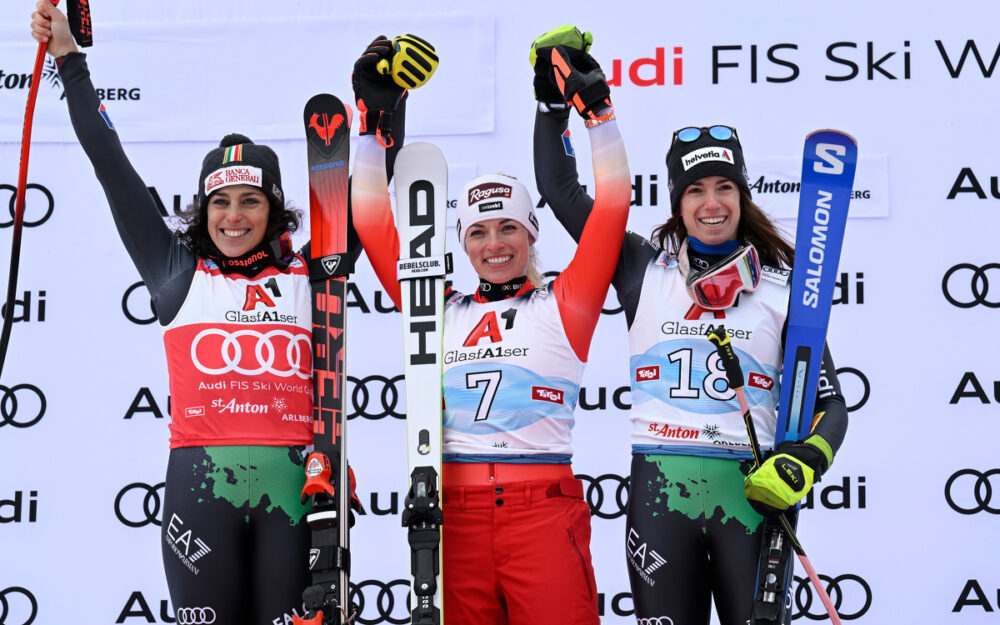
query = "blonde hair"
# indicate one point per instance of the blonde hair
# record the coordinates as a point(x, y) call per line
point(534, 276)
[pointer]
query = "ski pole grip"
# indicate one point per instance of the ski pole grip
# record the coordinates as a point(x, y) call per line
point(730, 362)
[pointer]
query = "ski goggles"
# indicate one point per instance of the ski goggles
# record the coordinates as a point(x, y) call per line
point(717, 287)
point(692, 133)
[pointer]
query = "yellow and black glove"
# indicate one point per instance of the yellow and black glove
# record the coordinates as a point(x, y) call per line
point(787, 474)
point(576, 43)
point(413, 63)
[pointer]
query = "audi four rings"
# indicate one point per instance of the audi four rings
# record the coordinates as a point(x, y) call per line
point(851, 596)
point(21, 413)
point(389, 600)
point(134, 514)
point(297, 362)
point(11, 602)
point(979, 488)
point(979, 286)
point(30, 200)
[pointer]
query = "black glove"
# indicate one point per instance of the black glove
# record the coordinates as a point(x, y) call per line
point(582, 84)
point(376, 94)
point(576, 44)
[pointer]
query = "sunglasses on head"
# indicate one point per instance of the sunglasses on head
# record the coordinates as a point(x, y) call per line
point(691, 133)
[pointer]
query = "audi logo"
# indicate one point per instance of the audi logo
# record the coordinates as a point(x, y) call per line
point(866, 387)
point(7, 600)
point(195, 616)
point(365, 389)
point(28, 202)
point(127, 309)
point(980, 489)
point(382, 602)
point(655, 620)
point(21, 413)
point(231, 350)
point(979, 286)
point(134, 514)
point(606, 505)
point(845, 590)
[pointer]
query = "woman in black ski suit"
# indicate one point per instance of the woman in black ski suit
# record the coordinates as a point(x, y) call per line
point(234, 304)
point(694, 519)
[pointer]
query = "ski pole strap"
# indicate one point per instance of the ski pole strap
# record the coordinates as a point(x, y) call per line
point(423, 267)
point(332, 266)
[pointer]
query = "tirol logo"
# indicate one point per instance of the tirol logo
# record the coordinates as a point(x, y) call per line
point(226, 176)
point(759, 380)
point(646, 374)
point(489, 190)
point(543, 393)
point(701, 155)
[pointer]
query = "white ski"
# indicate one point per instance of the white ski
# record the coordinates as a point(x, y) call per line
point(421, 182)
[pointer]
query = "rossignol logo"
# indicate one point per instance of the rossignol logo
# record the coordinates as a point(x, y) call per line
point(702, 155)
point(489, 190)
point(243, 262)
point(242, 174)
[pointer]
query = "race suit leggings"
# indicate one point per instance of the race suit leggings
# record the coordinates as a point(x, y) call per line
point(235, 545)
point(690, 538)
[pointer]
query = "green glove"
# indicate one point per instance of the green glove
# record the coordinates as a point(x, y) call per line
point(575, 42)
point(787, 475)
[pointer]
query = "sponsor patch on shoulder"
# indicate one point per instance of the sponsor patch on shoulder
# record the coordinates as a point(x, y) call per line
point(667, 259)
point(775, 275)
point(107, 118)
point(568, 144)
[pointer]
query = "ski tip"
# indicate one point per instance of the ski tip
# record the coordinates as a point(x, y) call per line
point(847, 136)
point(422, 154)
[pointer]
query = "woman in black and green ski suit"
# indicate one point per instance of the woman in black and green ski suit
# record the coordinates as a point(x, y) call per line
point(694, 519)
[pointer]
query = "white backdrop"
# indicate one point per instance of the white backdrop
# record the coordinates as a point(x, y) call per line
point(900, 521)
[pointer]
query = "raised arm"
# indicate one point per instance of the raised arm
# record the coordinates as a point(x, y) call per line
point(163, 263)
point(581, 288)
point(372, 214)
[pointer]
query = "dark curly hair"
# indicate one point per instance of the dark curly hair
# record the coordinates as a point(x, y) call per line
point(754, 226)
point(194, 230)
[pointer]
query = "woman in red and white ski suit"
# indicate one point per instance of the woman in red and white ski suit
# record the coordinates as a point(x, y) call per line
point(516, 532)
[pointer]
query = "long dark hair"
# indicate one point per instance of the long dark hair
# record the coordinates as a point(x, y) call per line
point(194, 227)
point(755, 227)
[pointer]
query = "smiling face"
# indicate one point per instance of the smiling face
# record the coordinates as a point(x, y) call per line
point(710, 209)
point(498, 249)
point(237, 219)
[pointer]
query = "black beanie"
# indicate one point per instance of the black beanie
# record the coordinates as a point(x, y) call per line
point(238, 160)
point(690, 161)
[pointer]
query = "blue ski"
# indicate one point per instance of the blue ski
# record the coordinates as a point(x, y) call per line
point(829, 161)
